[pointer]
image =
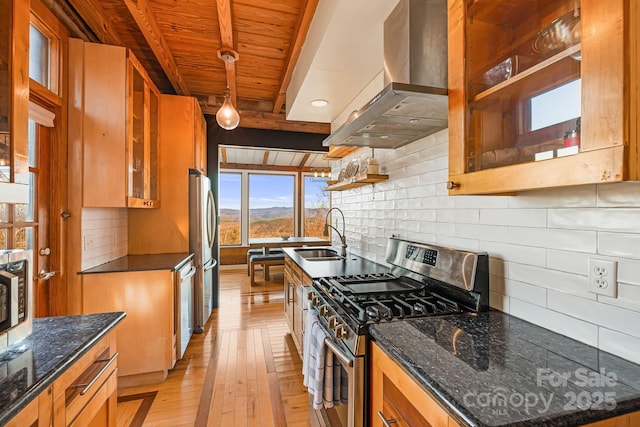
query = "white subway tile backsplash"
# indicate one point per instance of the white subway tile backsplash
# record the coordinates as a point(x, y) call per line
point(576, 240)
point(619, 194)
point(619, 344)
point(515, 217)
point(611, 317)
point(515, 253)
point(583, 196)
point(469, 216)
point(570, 262)
point(619, 244)
point(600, 219)
point(551, 279)
point(539, 241)
point(566, 325)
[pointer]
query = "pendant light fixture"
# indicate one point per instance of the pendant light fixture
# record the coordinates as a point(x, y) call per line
point(227, 116)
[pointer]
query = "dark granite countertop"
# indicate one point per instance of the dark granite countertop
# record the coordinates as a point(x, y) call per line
point(33, 364)
point(353, 264)
point(493, 369)
point(171, 262)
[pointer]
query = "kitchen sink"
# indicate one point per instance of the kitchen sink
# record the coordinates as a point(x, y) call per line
point(311, 254)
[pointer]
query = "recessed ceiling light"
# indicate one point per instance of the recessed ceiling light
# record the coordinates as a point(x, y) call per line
point(319, 103)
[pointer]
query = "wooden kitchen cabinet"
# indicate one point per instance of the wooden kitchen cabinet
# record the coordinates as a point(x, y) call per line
point(147, 336)
point(295, 299)
point(396, 396)
point(117, 111)
point(520, 77)
point(14, 101)
point(183, 145)
point(85, 394)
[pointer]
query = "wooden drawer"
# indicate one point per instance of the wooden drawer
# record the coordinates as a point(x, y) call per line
point(96, 412)
point(85, 384)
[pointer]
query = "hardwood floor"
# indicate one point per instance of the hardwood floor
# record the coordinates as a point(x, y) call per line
point(244, 370)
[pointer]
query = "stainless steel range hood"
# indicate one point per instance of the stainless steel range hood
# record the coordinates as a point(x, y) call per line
point(414, 102)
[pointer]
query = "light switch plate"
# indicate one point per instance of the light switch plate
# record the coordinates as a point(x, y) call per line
point(603, 277)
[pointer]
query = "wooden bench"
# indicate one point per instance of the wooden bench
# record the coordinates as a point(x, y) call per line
point(265, 261)
point(259, 251)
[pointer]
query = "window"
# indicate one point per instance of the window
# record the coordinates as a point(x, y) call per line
point(39, 46)
point(316, 205)
point(230, 212)
point(256, 204)
point(271, 212)
point(555, 106)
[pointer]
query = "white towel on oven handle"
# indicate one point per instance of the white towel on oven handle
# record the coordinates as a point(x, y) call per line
point(332, 379)
point(315, 353)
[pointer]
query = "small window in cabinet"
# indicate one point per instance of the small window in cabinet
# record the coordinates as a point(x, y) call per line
point(520, 57)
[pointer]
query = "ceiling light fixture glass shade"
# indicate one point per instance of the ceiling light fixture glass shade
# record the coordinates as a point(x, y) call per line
point(227, 116)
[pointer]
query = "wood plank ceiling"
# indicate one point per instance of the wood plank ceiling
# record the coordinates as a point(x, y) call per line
point(179, 43)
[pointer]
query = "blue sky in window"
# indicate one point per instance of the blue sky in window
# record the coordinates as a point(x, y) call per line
point(266, 191)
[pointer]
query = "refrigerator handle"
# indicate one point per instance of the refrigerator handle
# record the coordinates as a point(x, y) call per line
point(192, 272)
point(210, 264)
point(211, 219)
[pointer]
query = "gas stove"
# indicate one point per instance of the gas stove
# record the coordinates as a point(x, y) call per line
point(424, 280)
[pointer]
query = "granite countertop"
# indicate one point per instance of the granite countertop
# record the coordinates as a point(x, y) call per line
point(353, 264)
point(127, 263)
point(30, 366)
point(492, 369)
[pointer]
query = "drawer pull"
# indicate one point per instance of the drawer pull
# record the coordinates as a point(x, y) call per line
point(386, 422)
point(88, 385)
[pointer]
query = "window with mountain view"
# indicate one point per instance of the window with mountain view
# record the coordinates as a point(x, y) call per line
point(316, 205)
point(230, 208)
point(271, 212)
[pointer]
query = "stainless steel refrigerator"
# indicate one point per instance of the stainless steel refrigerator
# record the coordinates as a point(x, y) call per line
point(202, 233)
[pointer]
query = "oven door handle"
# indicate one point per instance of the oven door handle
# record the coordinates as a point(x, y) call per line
point(339, 353)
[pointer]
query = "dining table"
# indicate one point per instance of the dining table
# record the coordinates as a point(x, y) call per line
point(267, 243)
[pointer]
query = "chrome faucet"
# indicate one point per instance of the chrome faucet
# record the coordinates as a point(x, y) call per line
point(343, 238)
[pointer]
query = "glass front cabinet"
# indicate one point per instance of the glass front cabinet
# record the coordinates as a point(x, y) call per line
point(542, 93)
point(14, 98)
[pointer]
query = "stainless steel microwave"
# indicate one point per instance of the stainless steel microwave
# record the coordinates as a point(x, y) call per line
point(16, 296)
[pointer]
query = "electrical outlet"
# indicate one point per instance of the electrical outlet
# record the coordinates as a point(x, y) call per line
point(603, 277)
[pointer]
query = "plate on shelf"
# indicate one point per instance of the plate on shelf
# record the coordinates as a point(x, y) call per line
point(352, 168)
point(341, 176)
point(364, 166)
point(559, 34)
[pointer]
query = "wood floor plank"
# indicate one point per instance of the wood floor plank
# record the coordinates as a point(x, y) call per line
point(242, 371)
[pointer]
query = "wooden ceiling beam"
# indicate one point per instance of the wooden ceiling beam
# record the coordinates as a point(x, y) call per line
point(304, 160)
point(302, 28)
point(272, 121)
point(144, 17)
point(265, 158)
point(248, 166)
point(95, 17)
point(223, 154)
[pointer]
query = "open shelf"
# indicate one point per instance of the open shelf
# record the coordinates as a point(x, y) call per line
point(357, 181)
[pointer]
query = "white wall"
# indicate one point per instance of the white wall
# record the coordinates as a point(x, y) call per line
point(104, 235)
point(538, 241)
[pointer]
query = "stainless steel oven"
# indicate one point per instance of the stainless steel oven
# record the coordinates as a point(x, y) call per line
point(424, 280)
point(16, 296)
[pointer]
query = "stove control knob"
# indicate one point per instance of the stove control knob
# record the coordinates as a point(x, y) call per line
point(333, 322)
point(324, 310)
point(315, 301)
point(340, 331)
point(310, 296)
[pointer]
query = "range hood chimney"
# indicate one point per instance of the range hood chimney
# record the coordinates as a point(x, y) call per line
point(414, 102)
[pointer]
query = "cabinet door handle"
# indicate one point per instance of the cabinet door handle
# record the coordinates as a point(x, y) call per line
point(386, 422)
point(88, 385)
point(289, 293)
